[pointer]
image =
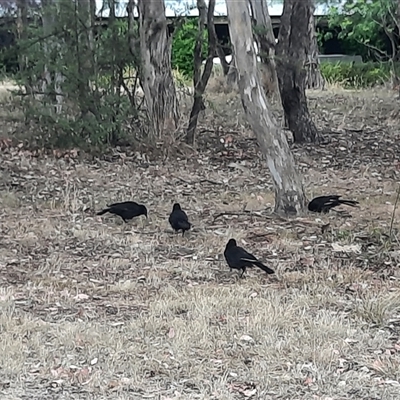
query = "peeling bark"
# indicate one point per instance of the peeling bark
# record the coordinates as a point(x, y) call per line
point(265, 39)
point(232, 76)
point(292, 48)
point(314, 78)
point(289, 192)
point(156, 74)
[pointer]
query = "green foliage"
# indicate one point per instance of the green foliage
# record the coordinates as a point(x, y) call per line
point(94, 110)
point(367, 23)
point(322, 37)
point(357, 76)
point(183, 47)
point(8, 61)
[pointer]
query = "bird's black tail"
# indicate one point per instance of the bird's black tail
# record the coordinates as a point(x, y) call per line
point(264, 267)
point(103, 211)
point(351, 203)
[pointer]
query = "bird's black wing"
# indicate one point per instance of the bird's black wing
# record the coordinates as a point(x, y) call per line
point(126, 205)
point(245, 255)
point(247, 258)
point(330, 202)
point(182, 220)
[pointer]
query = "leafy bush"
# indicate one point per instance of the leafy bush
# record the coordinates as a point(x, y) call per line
point(183, 47)
point(352, 75)
point(95, 111)
point(8, 61)
point(370, 23)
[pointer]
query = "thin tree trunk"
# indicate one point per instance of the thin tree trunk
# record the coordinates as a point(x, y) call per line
point(156, 73)
point(22, 24)
point(86, 19)
point(200, 80)
point(111, 25)
point(134, 48)
point(395, 51)
point(115, 73)
point(265, 38)
point(58, 81)
point(314, 78)
point(48, 22)
point(84, 47)
point(289, 192)
point(59, 78)
point(134, 44)
point(292, 47)
point(222, 58)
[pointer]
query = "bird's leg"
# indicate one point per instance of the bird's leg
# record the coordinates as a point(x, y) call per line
point(243, 271)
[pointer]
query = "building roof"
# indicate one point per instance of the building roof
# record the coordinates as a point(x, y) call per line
point(175, 8)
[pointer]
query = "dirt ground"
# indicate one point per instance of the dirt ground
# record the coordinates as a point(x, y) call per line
point(92, 308)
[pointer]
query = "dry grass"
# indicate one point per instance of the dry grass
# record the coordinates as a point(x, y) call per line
point(92, 308)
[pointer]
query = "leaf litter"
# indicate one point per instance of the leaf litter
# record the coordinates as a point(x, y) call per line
point(138, 289)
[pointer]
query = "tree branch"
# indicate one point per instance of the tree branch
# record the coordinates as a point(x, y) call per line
point(200, 81)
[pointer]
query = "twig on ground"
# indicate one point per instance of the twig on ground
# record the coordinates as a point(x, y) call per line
point(244, 212)
point(199, 181)
point(394, 212)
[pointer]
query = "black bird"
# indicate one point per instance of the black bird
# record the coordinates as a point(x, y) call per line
point(323, 204)
point(126, 210)
point(238, 258)
point(178, 219)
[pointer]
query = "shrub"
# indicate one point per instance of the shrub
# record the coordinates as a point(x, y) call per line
point(183, 47)
point(352, 75)
point(95, 111)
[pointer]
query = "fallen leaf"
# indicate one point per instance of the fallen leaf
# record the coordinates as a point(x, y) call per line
point(246, 338)
point(308, 381)
point(171, 333)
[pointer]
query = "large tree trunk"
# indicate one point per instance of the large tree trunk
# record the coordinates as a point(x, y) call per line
point(292, 47)
point(156, 73)
point(289, 192)
point(265, 38)
point(314, 78)
point(200, 80)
